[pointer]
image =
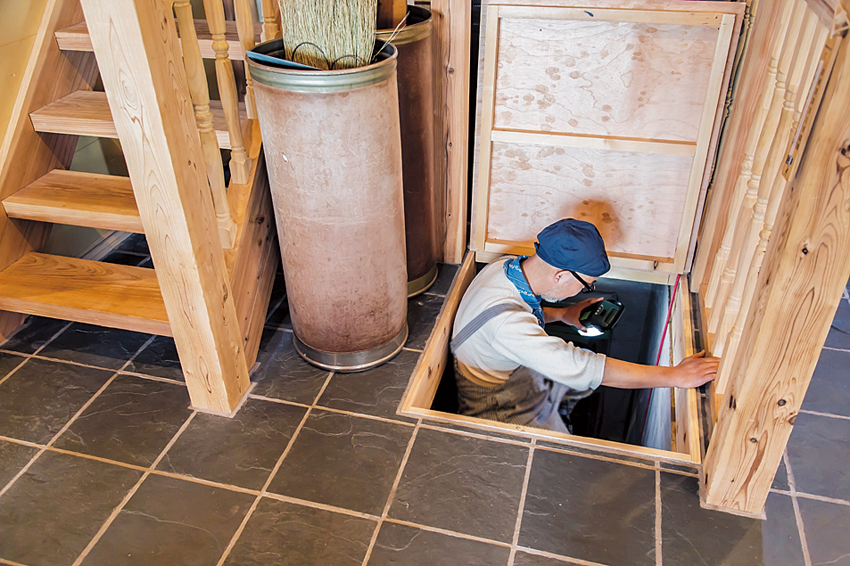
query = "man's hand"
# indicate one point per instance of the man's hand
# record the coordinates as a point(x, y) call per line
point(696, 370)
point(569, 315)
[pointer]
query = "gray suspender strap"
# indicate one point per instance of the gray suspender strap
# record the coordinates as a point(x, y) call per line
point(473, 325)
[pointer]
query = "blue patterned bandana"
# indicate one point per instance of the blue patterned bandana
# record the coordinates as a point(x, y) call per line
point(514, 273)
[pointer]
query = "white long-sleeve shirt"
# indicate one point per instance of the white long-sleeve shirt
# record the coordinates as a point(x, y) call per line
point(514, 338)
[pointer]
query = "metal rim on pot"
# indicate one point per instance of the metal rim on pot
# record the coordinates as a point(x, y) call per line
point(351, 361)
point(418, 27)
point(298, 80)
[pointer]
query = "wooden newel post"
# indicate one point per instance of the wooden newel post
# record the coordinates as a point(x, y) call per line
point(139, 56)
point(806, 267)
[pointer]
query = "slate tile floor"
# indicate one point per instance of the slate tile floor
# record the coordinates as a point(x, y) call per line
point(103, 462)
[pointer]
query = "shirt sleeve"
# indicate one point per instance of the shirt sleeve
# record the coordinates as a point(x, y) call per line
point(520, 338)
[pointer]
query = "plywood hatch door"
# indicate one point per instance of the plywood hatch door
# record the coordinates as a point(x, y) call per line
point(604, 111)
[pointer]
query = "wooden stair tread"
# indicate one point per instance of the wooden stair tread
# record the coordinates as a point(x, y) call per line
point(92, 292)
point(86, 113)
point(76, 38)
point(78, 199)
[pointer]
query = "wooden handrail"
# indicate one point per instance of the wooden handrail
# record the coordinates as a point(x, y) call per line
point(199, 90)
point(240, 164)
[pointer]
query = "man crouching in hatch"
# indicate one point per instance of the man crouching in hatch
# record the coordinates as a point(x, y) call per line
point(509, 370)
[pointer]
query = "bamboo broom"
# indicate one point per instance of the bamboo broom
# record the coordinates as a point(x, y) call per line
point(329, 34)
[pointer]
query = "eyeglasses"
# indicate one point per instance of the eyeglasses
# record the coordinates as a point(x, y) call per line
point(588, 287)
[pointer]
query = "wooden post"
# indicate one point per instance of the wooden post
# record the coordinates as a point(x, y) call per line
point(138, 53)
point(765, 140)
point(805, 269)
point(740, 187)
point(245, 29)
point(789, 81)
point(452, 19)
point(199, 89)
point(240, 164)
point(271, 11)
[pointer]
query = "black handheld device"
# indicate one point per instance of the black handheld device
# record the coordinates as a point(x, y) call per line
point(602, 315)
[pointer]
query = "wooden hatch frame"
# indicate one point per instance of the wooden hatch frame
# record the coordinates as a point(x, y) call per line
point(735, 440)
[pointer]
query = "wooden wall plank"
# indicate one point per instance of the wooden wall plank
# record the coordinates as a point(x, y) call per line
point(25, 155)
point(635, 199)
point(452, 21)
point(806, 267)
point(140, 62)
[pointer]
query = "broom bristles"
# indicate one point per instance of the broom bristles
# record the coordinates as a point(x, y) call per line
point(329, 34)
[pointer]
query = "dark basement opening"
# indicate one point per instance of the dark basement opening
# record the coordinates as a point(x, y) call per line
point(617, 415)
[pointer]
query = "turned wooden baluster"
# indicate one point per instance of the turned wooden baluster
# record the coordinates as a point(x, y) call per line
point(718, 269)
point(765, 140)
point(812, 49)
point(199, 89)
point(771, 167)
point(245, 28)
point(270, 11)
point(240, 164)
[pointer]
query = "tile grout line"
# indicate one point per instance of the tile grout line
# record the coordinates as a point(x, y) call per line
point(10, 563)
point(14, 370)
point(828, 415)
point(320, 506)
point(801, 531)
point(448, 533)
point(479, 436)
point(521, 507)
point(52, 338)
point(658, 558)
point(57, 435)
point(834, 349)
point(115, 512)
point(559, 557)
point(29, 356)
point(822, 498)
point(393, 489)
point(264, 490)
point(331, 410)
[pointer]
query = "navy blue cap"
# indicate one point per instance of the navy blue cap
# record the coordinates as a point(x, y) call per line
point(574, 245)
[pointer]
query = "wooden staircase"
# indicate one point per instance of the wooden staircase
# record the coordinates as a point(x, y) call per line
point(211, 300)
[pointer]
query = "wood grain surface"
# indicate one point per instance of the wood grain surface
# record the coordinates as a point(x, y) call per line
point(78, 199)
point(93, 292)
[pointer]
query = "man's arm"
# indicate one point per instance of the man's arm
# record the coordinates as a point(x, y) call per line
point(693, 371)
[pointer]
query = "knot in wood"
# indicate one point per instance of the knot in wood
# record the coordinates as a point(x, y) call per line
point(805, 251)
point(753, 440)
point(781, 402)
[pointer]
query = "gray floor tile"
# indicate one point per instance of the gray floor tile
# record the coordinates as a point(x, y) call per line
point(375, 392)
point(282, 373)
point(137, 243)
point(8, 362)
point(403, 545)
point(52, 511)
point(159, 358)
point(284, 534)
point(445, 277)
point(462, 484)
point(132, 421)
point(525, 559)
point(124, 258)
point(780, 480)
point(170, 521)
point(240, 451)
point(39, 398)
point(95, 345)
point(839, 332)
point(825, 526)
point(819, 456)
point(32, 334)
point(344, 461)
point(781, 544)
point(692, 535)
point(829, 390)
point(13, 457)
point(422, 314)
point(590, 510)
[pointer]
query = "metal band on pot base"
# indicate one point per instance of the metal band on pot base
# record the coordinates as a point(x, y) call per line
point(422, 284)
point(351, 361)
